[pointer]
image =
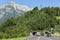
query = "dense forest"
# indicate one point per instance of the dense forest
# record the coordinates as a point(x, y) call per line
point(33, 20)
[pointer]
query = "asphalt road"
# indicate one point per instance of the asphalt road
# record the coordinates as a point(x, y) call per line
point(42, 38)
point(55, 38)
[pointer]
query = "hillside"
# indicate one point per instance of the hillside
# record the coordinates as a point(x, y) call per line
point(30, 21)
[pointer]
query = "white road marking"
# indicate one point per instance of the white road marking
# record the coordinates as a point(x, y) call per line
point(38, 38)
point(50, 39)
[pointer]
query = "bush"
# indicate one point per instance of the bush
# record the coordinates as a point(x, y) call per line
point(23, 35)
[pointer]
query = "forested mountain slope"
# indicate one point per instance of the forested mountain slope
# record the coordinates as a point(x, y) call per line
point(33, 20)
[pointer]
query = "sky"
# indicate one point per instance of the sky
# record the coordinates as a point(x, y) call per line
point(34, 3)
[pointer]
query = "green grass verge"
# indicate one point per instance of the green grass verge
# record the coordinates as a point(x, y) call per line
point(55, 35)
point(58, 17)
point(21, 38)
point(13, 39)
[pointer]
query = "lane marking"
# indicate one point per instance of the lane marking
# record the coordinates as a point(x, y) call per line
point(50, 39)
point(38, 38)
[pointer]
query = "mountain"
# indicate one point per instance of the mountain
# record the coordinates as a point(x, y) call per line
point(12, 10)
point(34, 20)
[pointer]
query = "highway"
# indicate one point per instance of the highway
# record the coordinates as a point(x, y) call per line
point(42, 38)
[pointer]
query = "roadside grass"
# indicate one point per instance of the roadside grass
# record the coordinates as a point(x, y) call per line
point(58, 17)
point(13, 39)
point(55, 35)
point(21, 38)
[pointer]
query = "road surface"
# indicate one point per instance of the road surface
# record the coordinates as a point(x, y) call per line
point(42, 38)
